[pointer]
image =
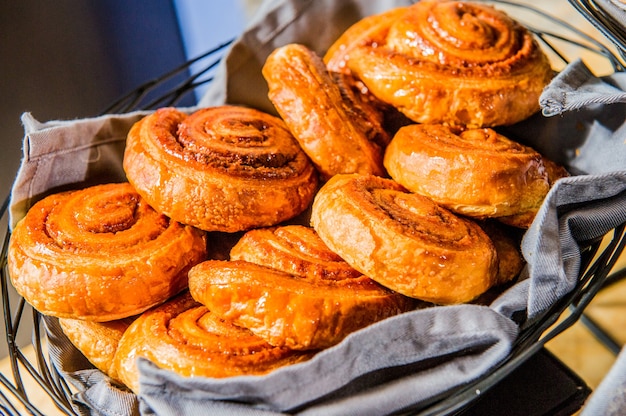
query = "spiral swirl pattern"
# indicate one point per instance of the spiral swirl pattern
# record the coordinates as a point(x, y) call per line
point(449, 62)
point(224, 168)
point(304, 306)
point(185, 337)
point(404, 241)
point(100, 253)
point(476, 172)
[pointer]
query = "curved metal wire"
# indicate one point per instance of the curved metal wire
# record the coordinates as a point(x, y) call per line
point(163, 91)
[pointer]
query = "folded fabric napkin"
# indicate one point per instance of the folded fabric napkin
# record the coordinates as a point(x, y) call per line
point(405, 362)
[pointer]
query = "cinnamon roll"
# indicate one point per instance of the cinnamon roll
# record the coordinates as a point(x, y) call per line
point(475, 172)
point(313, 307)
point(447, 62)
point(224, 168)
point(183, 336)
point(403, 240)
point(340, 129)
point(101, 254)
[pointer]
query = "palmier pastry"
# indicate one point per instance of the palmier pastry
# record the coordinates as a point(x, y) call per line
point(97, 341)
point(224, 168)
point(101, 254)
point(299, 311)
point(340, 130)
point(183, 336)
point(404, 241)
point(476, 172)
point(447, 62)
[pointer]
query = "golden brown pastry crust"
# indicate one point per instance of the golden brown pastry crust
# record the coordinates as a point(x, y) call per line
point(295, 311)
point(339, 130)
point(404, 241)
point(224, 168)
point(185, 337)
point(507, 243)
point(100, 253)
point(97, 341)
point(476, 172)
point(447, 62)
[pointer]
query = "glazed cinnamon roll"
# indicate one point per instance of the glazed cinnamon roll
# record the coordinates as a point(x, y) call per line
point(340, 130)
point(475, 172)
point(447, 62)
point(223, 168)
point(404, 241)
point(101, 254)
point(287, 287)
point(183, 336)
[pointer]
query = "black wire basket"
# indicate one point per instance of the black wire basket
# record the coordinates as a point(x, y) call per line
point(598, 257)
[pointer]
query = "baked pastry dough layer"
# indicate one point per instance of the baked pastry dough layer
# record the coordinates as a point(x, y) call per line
point(183, 336)
point(447, 62)
point(224, 168)
point(340, 130)
point(97, 341)
point(474, 172)
point(313, 307)
point(100, 253)
point(404, 241)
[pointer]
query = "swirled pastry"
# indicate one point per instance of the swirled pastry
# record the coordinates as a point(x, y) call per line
point(447, 62)
point(292, 297)
point(101, 254)
point(224, 168)
point(183, 336)
point(97, 341)
point(404, 241)
point(342, 132)
point(476, 172)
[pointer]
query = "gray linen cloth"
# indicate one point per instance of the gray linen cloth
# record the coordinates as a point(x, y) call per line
point(405, 362)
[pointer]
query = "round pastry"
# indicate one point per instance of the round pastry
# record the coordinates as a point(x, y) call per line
point(404, 241)
point(476, 172)
point(447, 62)
point(185, 337)
point(340, 130)
point(296, 311)
point(97, 341)
point(223, 168)
point(101, 254)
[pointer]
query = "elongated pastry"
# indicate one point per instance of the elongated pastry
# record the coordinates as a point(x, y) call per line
point(447, 62)
point(101, 254)
point(287, 287)
point(183, 336)
point(403, 240)
point(223, 168)
point(340, 130)
point(97, 341)
point(475, 172)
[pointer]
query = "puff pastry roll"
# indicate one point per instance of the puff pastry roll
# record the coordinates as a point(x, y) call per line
point(340, 129)
point(447, 62)
point(184, 337)
point(101, 254)
point(403, 240)
point(225, 168)
point(293, 299)
point(476, 172)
